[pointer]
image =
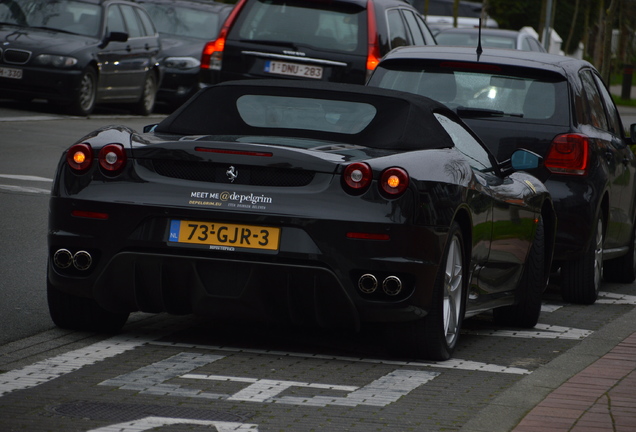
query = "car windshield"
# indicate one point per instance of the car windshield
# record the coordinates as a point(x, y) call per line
point(329, 26)
point(305, 113)
point(176, 20)
point(486, 92)
point(67, 16)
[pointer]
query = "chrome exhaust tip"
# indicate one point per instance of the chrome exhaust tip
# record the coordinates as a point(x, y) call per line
point(392, 285)
point(62, 258)
point(367, 283)
point(82, 260)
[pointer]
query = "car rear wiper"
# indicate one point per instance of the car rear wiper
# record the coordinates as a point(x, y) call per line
point(271, 42)
point(484, 112)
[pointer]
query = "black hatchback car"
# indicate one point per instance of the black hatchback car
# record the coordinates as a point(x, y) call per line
point(560, 108)
point(79, 53)
point(338, 40)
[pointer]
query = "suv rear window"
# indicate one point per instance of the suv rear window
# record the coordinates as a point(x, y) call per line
point(486, 94)
point(330, 25)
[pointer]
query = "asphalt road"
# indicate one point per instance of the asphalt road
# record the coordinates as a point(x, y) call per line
point(178, 374)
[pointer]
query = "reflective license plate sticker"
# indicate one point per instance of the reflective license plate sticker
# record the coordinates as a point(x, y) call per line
point(10, 73)
point(293, 69)
point(222, 234)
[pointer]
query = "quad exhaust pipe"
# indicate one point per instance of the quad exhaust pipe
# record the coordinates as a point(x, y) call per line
point(64, 258)
point(368, 284)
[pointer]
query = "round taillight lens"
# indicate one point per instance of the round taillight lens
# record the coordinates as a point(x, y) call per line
point(80, 157)
point(112, 157)
point(394, 181)
point(357, 177)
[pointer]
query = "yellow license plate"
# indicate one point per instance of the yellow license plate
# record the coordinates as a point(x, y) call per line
point(224, 235)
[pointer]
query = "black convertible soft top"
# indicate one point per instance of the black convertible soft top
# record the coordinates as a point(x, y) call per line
point(403, 121)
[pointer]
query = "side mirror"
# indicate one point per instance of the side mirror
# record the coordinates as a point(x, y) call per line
point(150, 128)
point(524, 160)
point(114, 37)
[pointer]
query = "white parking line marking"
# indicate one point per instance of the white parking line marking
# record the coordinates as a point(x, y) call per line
point(458, 364)
point(25, 177)
point(612, 298)
point(540, 331)
point(153, 379)
point(149, 423)
point(26, 189)
point(55, 367)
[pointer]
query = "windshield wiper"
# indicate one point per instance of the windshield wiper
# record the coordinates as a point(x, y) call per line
point(54, 29)
point(484, 112)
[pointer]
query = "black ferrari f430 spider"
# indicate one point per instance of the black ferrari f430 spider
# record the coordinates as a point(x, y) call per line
point(318, 204)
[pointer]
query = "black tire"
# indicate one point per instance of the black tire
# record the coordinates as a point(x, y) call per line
point(83, 314)
point(85, 97)
point(622, 269)
point(581, 278)
point(530, 290)
point(435, 337)
point(146, 104)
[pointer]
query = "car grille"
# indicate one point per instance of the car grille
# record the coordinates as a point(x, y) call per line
point(16, 56)
point(216, 173)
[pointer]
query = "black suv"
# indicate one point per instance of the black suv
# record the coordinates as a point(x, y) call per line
point(339, 40)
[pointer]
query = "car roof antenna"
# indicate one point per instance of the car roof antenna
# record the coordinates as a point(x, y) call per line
point(479, 49)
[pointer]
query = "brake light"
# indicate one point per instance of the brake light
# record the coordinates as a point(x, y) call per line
point(212, 55)
point(112, 158)
point(357, 177)
point(80, 157)
point(373, 53)
point(474, 66)
point(568, 154)
point(394, 182)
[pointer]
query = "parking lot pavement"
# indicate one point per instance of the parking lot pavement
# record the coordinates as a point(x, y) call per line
point(589, 388)
point(601, 396)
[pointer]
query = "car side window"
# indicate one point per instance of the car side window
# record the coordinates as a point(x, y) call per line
point(426, 31)
point(148, 27)
point(132, 22)
point(416, 32)
point(595, 110)
point(477, 155)
point(115, 20)
point(397, 29)
point(612, 113)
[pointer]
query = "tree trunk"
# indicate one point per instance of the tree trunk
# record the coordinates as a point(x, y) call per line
point(606, 67)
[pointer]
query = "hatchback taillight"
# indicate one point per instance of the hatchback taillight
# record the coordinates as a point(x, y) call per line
point(568, 154)
point(79, 157)
point(212, 55)
point(373, 53)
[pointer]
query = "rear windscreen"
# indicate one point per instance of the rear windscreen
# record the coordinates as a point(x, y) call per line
point(486, 93)
point(282, 112)
point(327, 26)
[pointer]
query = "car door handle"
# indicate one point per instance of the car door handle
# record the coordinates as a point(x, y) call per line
point(147, 47)
point(128, 48)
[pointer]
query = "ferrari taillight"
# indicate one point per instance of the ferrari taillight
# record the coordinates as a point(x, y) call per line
point(394, 182)
point(373, 53)
point(212, 55)
point(357, 177)
point(112, 158)
point(568, 154)
point(79, 157)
